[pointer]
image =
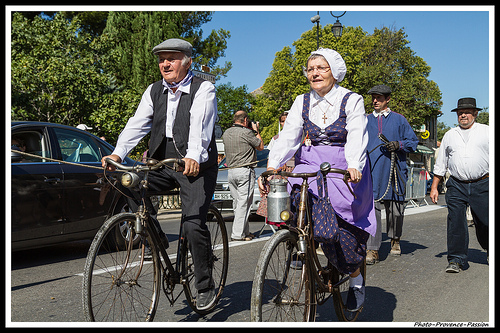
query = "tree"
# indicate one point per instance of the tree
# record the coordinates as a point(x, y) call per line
point(56, 70)
point(383, 57)
point(483, 116)
point(231, 99)
point(441, 130)
point(134, 34)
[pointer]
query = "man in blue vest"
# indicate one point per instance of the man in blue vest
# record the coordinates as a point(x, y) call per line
point(390, 138)
point(180, 112)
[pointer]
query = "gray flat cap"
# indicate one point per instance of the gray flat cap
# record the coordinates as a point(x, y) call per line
point(381, 89)
point(174, 45)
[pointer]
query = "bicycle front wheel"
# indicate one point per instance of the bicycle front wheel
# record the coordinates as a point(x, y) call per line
point(282, 288)
point(119, 284)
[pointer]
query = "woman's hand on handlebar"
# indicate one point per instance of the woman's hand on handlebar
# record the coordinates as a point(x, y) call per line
point(110, 167)
point(354, 175)
point(263, 186)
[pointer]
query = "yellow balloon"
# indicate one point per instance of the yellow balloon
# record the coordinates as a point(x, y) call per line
point(425, 135)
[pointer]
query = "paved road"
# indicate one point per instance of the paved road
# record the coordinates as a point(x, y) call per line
point(411, 289)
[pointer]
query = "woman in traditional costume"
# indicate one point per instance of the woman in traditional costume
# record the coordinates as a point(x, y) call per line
point(333, 122)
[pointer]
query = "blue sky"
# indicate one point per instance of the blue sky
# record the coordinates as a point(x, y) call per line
point(453, 40)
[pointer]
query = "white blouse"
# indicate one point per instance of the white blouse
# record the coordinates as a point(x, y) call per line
point(323, 111)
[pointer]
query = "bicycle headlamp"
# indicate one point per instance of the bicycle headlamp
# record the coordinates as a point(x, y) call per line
point(130, 179)
point(285, 215)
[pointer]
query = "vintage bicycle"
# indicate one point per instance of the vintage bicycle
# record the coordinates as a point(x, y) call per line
point(122, 281)
point(281, 291)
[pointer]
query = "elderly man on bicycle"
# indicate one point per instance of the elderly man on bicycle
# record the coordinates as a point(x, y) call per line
point(180, 112)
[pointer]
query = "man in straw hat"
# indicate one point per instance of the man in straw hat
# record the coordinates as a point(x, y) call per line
point(464, 151)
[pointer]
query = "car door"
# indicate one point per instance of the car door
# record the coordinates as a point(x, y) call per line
point(36, 189)
point(87, 196)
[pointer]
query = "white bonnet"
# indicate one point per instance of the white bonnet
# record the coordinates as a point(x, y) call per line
point(335, 60)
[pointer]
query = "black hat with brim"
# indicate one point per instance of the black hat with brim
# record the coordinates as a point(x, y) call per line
point(466, 103)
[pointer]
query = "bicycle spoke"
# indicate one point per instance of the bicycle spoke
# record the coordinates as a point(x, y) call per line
point(119, 285)
point(280, 286)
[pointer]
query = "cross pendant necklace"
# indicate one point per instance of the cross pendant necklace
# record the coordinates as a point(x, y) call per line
point(324, 113)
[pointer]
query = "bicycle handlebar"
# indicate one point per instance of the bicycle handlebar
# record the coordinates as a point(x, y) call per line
point(324, 168)
point(151, 164)
point(303, 174)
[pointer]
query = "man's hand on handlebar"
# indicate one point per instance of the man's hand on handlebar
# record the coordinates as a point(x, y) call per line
point(191, 168)
point(110, 167)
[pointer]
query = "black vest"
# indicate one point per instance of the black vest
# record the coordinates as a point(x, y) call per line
point(158, 145)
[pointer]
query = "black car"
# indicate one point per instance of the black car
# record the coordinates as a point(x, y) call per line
point(53, 202)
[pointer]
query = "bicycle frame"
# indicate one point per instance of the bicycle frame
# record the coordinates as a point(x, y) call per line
point(304, 228)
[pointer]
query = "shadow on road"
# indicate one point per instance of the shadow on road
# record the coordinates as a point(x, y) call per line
point(235, 299)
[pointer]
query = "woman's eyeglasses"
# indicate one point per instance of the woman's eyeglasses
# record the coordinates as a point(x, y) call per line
point(319, 69)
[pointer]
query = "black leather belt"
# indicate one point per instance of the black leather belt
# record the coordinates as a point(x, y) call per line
point(471, 181)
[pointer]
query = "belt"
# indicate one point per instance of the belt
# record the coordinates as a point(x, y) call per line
point(471, 181)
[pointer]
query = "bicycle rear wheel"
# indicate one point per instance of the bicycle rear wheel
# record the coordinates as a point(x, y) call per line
point(219, 259)
point(281, 292)
point(118, 284)
point(340, 295)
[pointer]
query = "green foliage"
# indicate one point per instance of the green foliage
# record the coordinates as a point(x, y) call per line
point(484, 116)
point(441, 130)
point(132, 36)
point(231, 99)
point(56, 70)
point(383, 57)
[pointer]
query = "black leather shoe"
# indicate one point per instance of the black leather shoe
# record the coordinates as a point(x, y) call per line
point(205, 299)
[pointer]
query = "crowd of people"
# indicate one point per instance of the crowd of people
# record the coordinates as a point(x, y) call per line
point(329, 123)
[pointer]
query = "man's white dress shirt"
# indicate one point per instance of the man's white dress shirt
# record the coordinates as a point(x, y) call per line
point(465, 153)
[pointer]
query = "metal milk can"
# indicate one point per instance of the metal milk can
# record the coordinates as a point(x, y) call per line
point(278, 200)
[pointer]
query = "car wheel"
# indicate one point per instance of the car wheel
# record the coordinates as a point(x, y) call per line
point(122, 232)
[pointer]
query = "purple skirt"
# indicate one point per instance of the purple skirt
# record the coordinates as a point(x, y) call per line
point(359, 212)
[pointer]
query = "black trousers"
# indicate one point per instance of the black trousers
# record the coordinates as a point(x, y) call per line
point(196, 194)
point(458, 196)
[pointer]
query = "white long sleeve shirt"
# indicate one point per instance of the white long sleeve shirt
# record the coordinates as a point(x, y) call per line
point(203, 115)
point(465, 153)
point(290, 137)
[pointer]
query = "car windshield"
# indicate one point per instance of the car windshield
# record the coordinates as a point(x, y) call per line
point(262, 156)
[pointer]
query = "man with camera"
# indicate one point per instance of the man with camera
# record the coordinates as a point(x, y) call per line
point(240, 142)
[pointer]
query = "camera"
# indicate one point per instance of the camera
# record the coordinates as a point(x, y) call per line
point(250, 126)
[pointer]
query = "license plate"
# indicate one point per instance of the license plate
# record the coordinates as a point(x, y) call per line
point(222, 196)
